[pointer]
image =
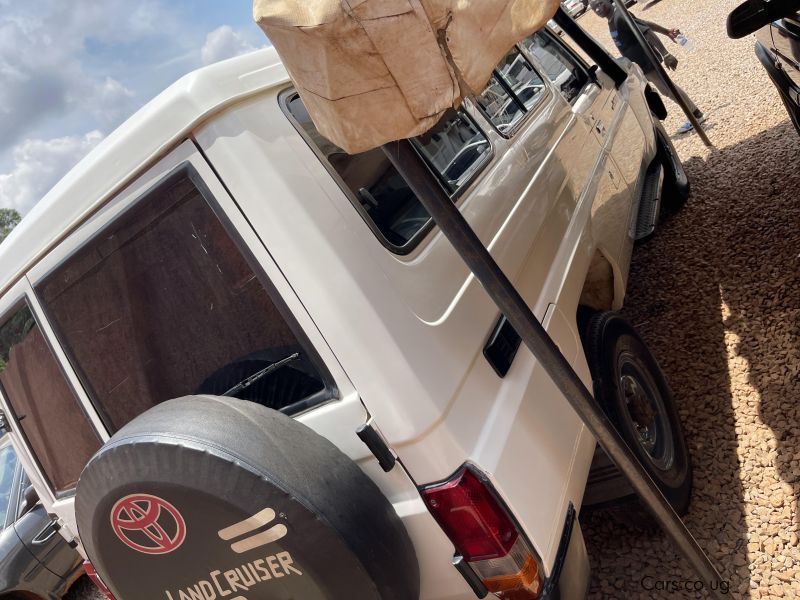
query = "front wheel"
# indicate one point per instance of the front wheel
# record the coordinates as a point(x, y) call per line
point(632, 390)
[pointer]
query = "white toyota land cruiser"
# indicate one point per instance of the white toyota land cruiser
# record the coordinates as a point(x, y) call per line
point(214, 324)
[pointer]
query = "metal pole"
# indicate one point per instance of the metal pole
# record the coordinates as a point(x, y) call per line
point(661, 72)
point(511, 304)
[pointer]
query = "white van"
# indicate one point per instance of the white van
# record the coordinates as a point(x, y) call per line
point(216, 249)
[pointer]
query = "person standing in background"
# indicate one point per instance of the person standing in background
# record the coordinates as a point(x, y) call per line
point(629, 47)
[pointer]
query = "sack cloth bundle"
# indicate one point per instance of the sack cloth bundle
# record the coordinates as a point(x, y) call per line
point(374, 71)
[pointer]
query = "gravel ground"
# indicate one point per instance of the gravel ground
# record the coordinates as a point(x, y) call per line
point(84, 590)
point(716, 294)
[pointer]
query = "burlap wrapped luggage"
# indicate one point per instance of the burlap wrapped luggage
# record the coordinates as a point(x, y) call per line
point(373, 71)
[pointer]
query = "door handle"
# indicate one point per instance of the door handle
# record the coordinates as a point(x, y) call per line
point(47, 533)
point(600, 128)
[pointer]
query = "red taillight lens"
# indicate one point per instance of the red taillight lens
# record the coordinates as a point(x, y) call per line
point(483, 532)
point(471, 517)
point(92, 573)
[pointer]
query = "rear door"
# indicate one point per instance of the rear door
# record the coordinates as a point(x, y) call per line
point(166, 292)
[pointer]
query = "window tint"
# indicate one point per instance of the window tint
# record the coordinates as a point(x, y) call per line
point(162, 304)
point(8, 464)
point(383, 195)
point(500, 107)
point(519, 75)
point(559, 65)
point(50, 415)
point(455, 148)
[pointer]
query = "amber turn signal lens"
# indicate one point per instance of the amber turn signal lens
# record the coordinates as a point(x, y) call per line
point(524, 585)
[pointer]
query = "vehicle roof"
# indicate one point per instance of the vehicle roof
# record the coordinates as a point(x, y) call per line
point(151, 132)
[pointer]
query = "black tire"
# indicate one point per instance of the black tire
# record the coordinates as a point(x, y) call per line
point(632, 390)
point(202, 487)
point(677, 187)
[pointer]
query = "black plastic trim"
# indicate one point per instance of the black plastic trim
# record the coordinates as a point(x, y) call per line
point(502, 347)
point(552, 587)
point(377, 445)
point(655, 102)
point(470, 576)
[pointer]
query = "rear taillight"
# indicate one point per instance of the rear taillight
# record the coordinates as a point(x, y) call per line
point(92, 573)
point(480, 527)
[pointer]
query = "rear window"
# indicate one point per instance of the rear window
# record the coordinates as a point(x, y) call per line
point(162, 304)
point(49, 413)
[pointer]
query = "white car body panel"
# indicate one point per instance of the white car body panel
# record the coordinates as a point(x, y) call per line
point(401, 335)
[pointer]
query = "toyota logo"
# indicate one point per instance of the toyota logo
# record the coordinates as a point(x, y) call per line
point(148, 524)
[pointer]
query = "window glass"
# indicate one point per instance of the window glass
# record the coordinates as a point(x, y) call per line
point(559, 65)
point(501, 108)
point(162, 304)
point(520, 76)
point(455, 148)
point(48, 411)
point(8, 464)
point(382, 193)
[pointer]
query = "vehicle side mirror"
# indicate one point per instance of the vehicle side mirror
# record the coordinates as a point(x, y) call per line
point(752, 15)
point(29, 499)
point(3, 423)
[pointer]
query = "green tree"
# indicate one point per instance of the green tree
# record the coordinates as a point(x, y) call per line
point(9, 218)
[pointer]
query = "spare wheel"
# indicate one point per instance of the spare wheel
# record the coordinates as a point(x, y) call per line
point(206, 498)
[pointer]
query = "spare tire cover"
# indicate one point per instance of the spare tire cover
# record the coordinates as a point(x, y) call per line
point(206, 498)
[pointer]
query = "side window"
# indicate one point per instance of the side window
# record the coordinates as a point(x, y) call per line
point(382, 194)
point(48, 411)
point(521, 78)
point(513, 90)
point(563, 69)
point(162, 304)
point(455, 149)
point(500, 106)
point(8, 465)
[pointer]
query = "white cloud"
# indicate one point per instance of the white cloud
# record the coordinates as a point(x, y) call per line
point(39, 164)
point(45, 67)
point(224, 42)
point(110, 101)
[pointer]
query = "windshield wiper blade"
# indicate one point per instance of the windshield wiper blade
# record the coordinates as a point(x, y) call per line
point(246, 383)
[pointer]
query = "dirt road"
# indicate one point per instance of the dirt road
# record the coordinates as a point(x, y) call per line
point(716, 293)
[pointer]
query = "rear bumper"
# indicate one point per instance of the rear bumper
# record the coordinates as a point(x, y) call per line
point(570, 577)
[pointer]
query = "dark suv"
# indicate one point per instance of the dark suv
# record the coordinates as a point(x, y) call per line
point(35, 561)
point(778, 49)
point(777, 27)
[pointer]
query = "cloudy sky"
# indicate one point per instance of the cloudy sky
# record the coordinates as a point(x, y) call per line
point(70, 72)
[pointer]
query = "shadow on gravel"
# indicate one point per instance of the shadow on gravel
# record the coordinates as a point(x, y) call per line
point(716, 295)
point(83, 589)
point(760, 286)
